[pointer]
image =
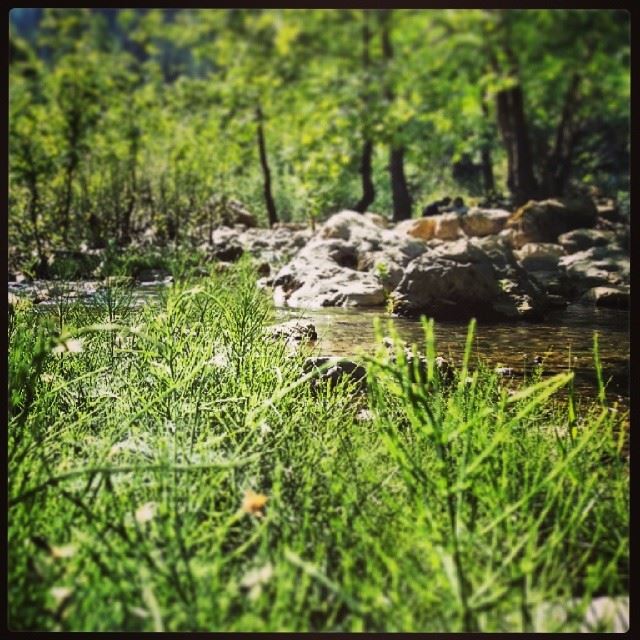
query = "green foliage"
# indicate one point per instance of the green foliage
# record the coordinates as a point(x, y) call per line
point(135, 432)
point(135, 119)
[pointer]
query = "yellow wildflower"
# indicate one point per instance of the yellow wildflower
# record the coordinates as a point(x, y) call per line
point(253, 503)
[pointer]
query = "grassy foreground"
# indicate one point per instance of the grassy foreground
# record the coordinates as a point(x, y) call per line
point(171, 469)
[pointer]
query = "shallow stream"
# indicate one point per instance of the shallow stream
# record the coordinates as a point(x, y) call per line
point(564, 339)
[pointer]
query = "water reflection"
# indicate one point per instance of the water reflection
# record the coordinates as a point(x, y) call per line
point(564, 340)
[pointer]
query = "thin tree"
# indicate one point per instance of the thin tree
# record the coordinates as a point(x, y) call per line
point(266, 172)
point(488, 182)
point(399, 188)
point(512, 122)
point(368, 189)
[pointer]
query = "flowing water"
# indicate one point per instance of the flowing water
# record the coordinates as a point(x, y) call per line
point(564, 340)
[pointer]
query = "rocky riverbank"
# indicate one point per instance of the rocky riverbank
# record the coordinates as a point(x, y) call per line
point(485, 263)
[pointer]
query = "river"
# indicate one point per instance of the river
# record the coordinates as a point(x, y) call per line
point(564, 340)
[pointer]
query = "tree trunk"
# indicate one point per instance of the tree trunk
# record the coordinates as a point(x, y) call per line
point(43, 267)
point(125, 229)
point(72, 163)
point(368, 189)
point(266, 173)
point(515, 136)
point(66, 205)
point(565, 165)
point(165, 209)
point(488, 182)
point(132, 188)
point(399, 189)
point(513, 125)
point(558, 165)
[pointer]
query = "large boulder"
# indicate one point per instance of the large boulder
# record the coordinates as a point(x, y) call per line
point(462, 280)
point(348, 224)
point(608, 210)
point(508, 262)
point(511, 237)
point(351, 225)
point(445, 226)
point(351, 261)
point(290, 226)
point(423, 228)
point(227, 253)
point(389, 260)
point(388, 265)
point(544, 221)
point(294, 333)
point(581, 239)
point(377, 219)
point(520, 295)
point(225, 244)
point(539, 256)
point(273, 246)
point(339, 289)
point(231, 212)
point(484, 222)
point(595, 267)
point(448, 226)
point(615, 297)
point(621, 231)
point(329, 371)
point(324, 274)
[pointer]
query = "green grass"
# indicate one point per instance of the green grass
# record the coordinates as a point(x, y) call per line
point(439, 508)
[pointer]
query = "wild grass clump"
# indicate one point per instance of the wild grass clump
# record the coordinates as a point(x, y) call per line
point(171, 469)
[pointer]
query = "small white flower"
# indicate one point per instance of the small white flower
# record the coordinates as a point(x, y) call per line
point(261, 575)
point(60, 594)
point(146, 512)
point(265, 429)
point(65, 551)
point(70, 345)
point(254, 579)
point(219, 360)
